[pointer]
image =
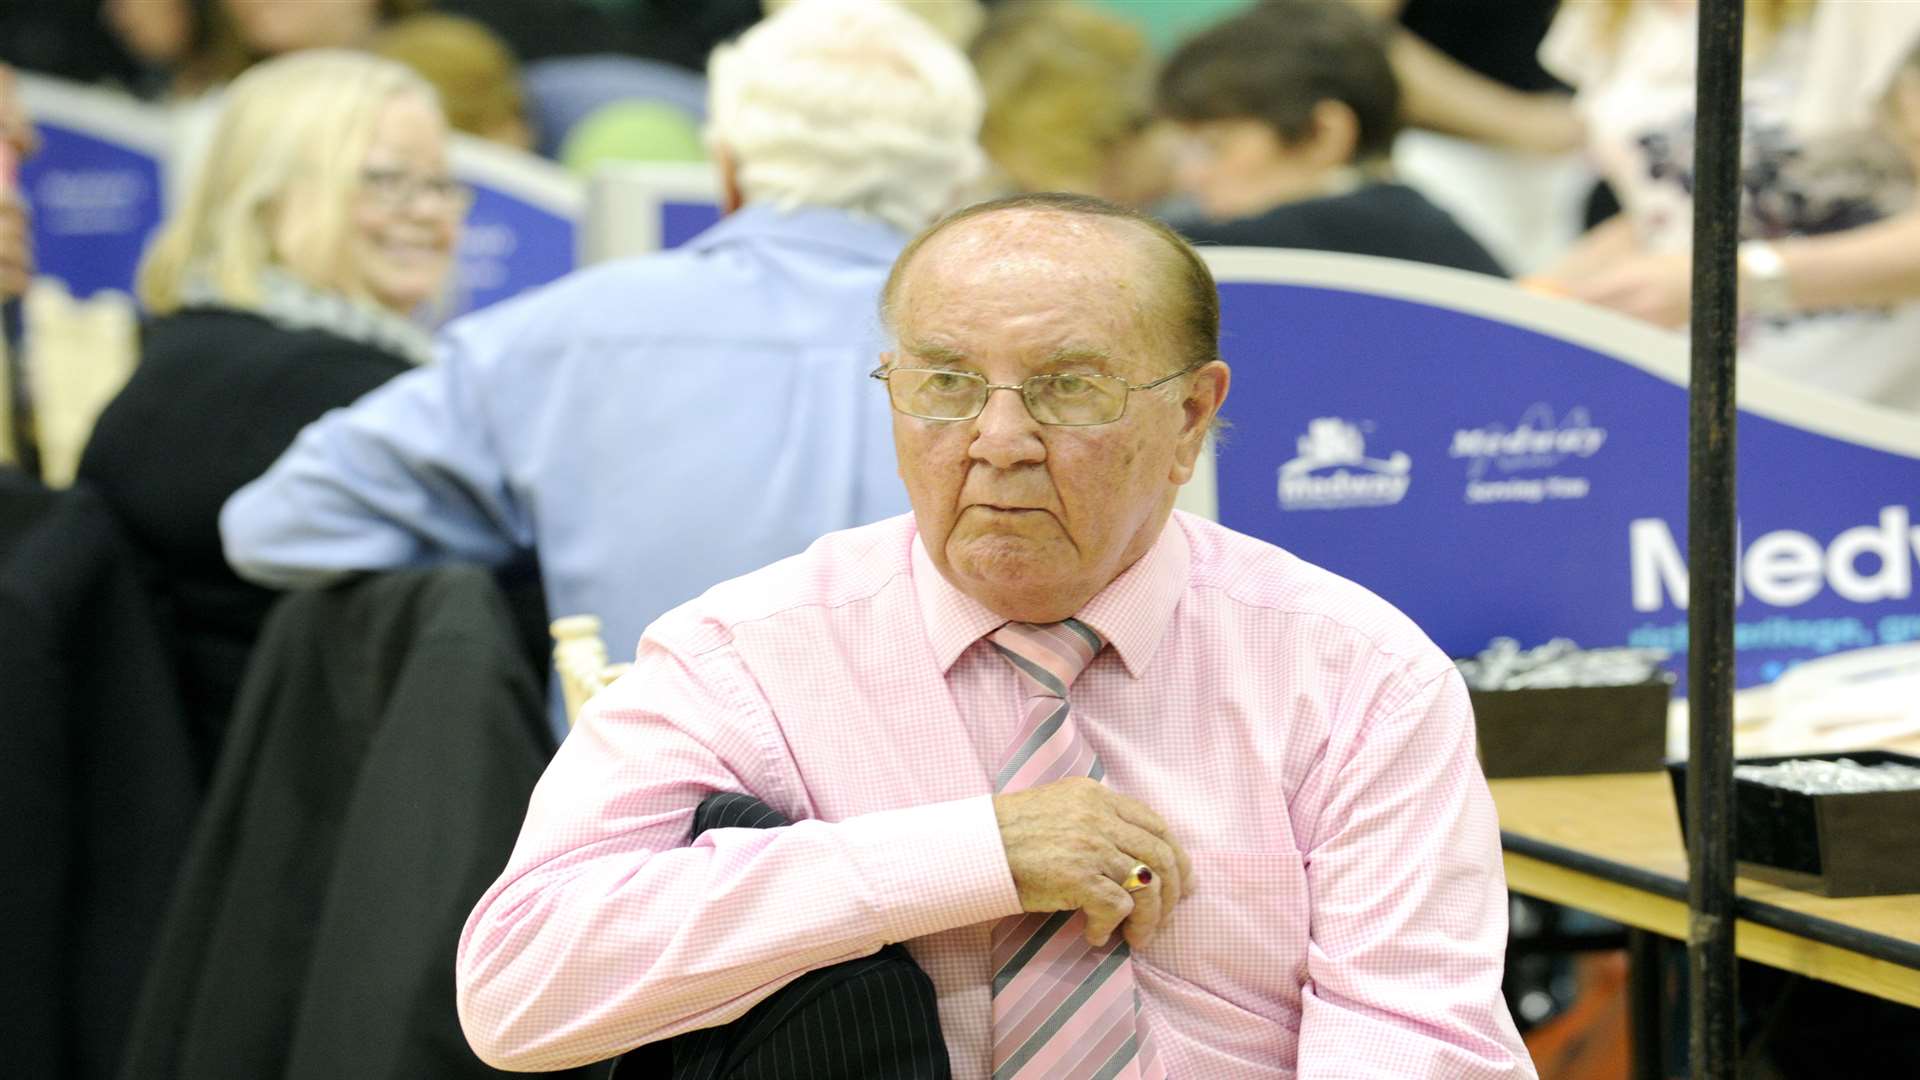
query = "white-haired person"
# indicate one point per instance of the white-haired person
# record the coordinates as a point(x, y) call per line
point(655, 425)
point(319, 221)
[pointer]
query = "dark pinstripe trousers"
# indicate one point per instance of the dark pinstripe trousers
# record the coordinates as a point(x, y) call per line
point(873, 1018)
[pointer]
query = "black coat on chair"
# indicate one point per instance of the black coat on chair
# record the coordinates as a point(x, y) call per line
point(99, 781)
point(387, 738)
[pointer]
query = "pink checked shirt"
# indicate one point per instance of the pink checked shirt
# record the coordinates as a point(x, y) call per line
point(1311, 749)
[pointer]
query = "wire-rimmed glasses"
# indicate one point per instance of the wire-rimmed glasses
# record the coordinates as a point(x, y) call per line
point(1065, 400)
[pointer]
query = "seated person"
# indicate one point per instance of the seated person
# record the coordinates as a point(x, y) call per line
point(653, 425)
point(1290, 111)
point(1829, 257)
point(1067, 87)
point(476, 75)
point(180, 49)
point(1494, 140)
point(279, 27)
point(1143, 796)
point(321, 220)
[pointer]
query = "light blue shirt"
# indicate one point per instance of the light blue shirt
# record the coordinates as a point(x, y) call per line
point(648, 428)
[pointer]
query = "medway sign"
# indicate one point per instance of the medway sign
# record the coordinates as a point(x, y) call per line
point(1503, 464)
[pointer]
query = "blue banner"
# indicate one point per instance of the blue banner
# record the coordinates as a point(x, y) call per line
point(522, 229)
point(683, 219)
point(509, 245)
point(1497, 463)
point(94, 185)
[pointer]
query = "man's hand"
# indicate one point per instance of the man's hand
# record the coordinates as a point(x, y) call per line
point(1072, 842)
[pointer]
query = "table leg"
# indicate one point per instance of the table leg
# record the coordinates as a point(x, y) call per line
point(1644, 987)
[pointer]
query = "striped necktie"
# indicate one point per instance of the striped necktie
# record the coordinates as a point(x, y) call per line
point(1062, 1009)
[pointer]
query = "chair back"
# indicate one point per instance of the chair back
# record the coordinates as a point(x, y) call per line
point(580, 658)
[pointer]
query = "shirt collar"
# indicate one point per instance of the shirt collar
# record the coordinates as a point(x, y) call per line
point(1132, 613)
point(808, 226)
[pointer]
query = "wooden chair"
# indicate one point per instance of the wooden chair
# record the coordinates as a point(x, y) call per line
point(79, 353)
point(580, 658)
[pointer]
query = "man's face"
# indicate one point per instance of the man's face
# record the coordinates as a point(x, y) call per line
point(1240, 168)
point(1033, 519)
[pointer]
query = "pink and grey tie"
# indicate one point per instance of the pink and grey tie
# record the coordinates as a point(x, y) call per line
point(1062, 1010)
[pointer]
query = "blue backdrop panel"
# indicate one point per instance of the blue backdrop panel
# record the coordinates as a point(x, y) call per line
point(1491, 478)
point(683, 219)
point(94, 200)
point(511, 244)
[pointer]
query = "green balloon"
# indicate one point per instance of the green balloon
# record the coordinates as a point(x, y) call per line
point(632, 131)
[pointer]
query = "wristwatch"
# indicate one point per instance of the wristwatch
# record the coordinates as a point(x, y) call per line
point(1764, 289)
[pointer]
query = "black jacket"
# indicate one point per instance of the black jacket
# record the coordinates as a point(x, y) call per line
point(98, 782)
point(1389, 220)
point(385, 744)
point(217, 396)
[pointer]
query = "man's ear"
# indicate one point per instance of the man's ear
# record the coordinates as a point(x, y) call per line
point(1335, 135)
point(1206, 392)
point(728, 167)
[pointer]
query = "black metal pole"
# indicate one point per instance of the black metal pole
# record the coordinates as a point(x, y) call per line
point(1711, 972)
point(1646, 982)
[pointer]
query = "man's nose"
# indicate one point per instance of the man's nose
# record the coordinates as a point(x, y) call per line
point(1005, 434)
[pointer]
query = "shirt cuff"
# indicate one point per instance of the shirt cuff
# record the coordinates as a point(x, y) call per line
point(934, 868)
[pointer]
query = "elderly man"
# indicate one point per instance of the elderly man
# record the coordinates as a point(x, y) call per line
point(656, 425)
point(1143, 796)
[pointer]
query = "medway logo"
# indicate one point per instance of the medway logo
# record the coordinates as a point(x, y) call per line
point(1333, 471)
point(1536, 444)
point(1785, 568)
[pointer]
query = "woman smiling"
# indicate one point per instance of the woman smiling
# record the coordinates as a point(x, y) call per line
point(320, 221)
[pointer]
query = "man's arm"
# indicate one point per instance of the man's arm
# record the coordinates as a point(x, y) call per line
point(1444, 95)
point(1408, 925)
point(608, 929)
point(409, 474)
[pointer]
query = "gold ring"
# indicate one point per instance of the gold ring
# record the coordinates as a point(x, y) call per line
point(1138, 878)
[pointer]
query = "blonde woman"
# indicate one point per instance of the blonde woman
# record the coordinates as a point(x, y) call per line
point(322, 217)
point(1829, 272)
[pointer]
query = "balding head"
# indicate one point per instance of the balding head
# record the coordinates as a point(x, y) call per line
point(1180, 301)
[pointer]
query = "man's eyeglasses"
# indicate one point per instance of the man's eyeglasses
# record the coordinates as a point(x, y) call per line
point(396, 188)
point(1068, 400)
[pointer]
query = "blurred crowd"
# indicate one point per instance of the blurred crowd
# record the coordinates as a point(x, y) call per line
point(1546, 141)
point(297, 416)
